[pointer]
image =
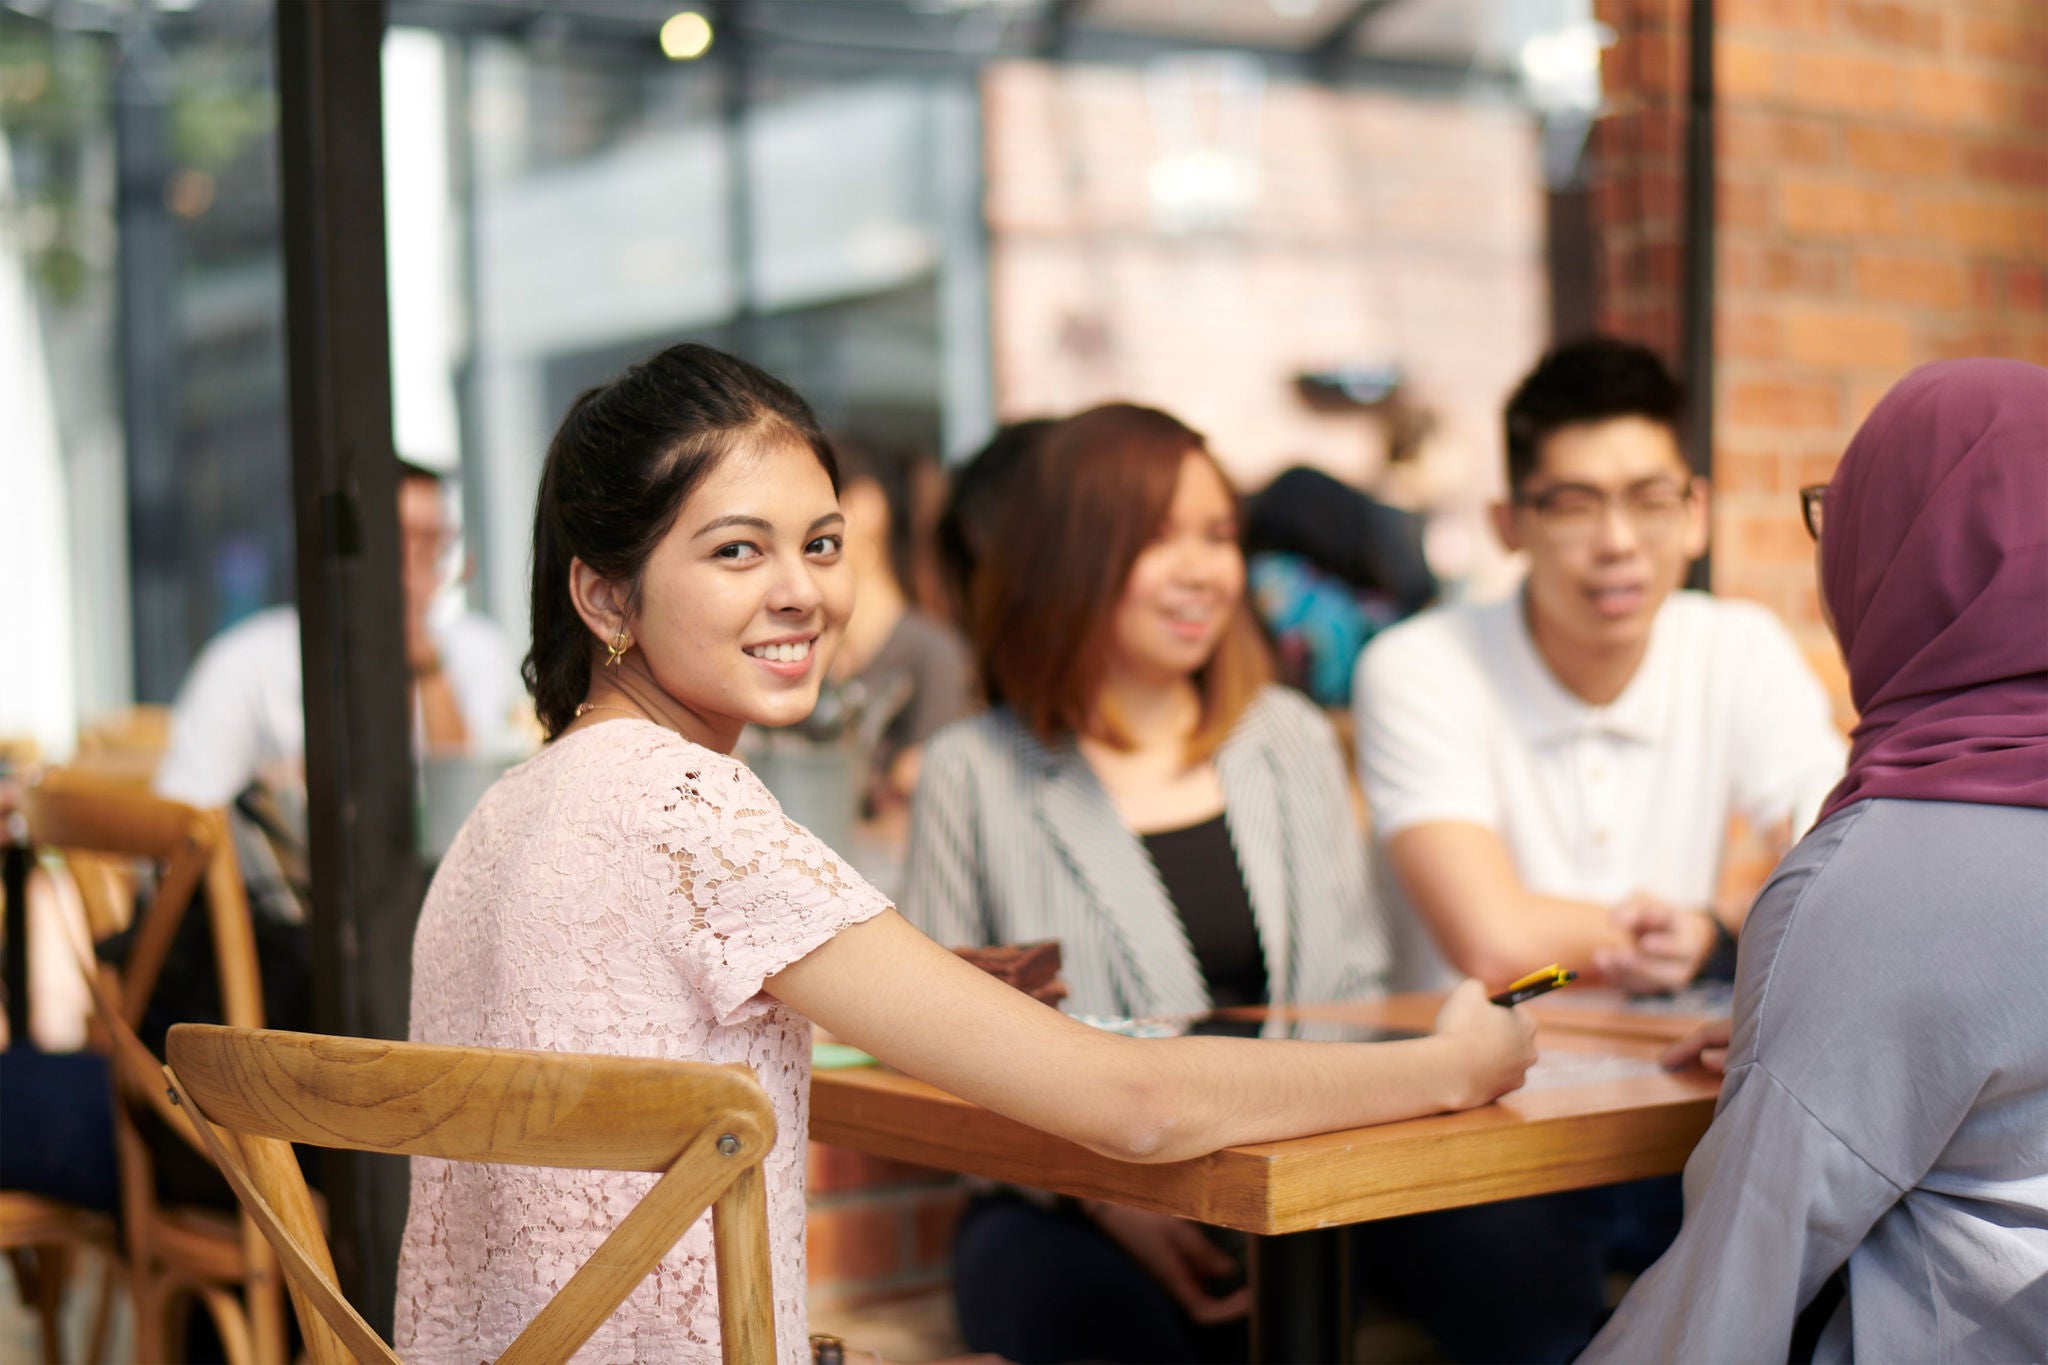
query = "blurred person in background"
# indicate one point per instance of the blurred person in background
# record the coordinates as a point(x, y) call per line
point(1141, 793)
point(1552, 775)
point(1551, 778)
point(974, 507)
point(911, 672)
point(240, 721)
point(1880, 1150)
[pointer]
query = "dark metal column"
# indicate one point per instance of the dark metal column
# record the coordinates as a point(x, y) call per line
point(147, 275)
point(366, 873)
point(1301, 1298)
point(1700, 240)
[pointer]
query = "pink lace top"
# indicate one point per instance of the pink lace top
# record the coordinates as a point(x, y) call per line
point(626, 892)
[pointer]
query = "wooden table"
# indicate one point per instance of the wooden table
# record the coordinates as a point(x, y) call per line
point(1567, 1135)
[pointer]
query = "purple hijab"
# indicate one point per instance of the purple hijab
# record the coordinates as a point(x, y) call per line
point(1934, 563)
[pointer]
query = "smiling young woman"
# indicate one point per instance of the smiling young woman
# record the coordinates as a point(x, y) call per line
point(1141, 793)
point(634, 889)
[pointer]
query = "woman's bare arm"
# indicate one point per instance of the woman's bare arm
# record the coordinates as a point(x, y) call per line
point(888, 989)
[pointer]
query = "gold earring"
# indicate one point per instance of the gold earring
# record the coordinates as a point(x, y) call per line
point(616, 650)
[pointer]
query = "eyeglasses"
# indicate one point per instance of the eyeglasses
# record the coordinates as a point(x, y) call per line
point(1573, 512)
point(1812, 502)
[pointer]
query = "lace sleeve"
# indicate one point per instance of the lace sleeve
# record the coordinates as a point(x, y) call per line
point(753, 891)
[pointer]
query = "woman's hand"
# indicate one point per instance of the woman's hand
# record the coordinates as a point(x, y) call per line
point(1707, 1045)
point(1497, 1046)
point(1179, 1256)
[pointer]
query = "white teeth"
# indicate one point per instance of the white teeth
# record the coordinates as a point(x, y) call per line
point(783, 653)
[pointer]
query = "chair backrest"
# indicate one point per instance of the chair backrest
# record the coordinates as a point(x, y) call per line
point(103, 829)
point(705, 1128)
point(92, 822)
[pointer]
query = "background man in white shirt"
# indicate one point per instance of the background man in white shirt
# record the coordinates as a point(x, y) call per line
point(1551, 779)
point(1552, 776)
point(240, 716)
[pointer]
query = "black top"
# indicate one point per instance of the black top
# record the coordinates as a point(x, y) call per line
point(1199, 869)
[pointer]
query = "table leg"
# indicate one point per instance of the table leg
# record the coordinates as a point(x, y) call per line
point(1301, 1298)
point(15, 879)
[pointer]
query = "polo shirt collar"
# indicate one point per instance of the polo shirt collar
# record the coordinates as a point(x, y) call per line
point(1548, 713)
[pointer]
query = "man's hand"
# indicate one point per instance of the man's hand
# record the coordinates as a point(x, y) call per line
point(1176, 1254)
point(1707, 1045)
point(1666, 950)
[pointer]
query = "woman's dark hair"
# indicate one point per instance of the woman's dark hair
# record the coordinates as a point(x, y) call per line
point(893, 466)
point(1590, 380)
point(974, 507)
point(624, 461)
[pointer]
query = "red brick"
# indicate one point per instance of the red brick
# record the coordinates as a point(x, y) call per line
point(2007, 163)
point(1784, 403)
point(1809, 207)
point(1916, 28)
point(1931, 281)
point(1898, 151)
point(2031, 345)
point(1864, 395)
point(1952, 98)
point(1839, 82)
point(1831, 337)
point(1773, 16)
point(1812, 468)
point(1778, 269)
point(1994, 39)
point(1772, 539)
point(1739, 470)
point(2027, 289)
point(1749, 334)
point(1774, 139)
point(853, 1242)
point(1743, 203)
point(1983, 224)
point(1744, 70)
point(1987, 285)
point(837, 1169)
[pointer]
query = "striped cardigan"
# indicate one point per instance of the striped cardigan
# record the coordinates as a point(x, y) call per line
point(1013, 840)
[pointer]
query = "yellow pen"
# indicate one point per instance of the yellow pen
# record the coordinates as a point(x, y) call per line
point(1536, 983)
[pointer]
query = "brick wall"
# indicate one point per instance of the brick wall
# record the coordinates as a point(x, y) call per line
point(1883, 201)
point(876, 1229)
point(1384, 228)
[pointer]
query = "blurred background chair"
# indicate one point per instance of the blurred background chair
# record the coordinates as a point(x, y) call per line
point(177, 1248)
point(704, 1128)
point(124, 746)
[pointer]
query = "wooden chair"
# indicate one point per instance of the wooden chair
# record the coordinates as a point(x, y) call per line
point(42, 1237)
point(174, 1253)
point(705, 1128)
point(124, 746)
point(46, 1238)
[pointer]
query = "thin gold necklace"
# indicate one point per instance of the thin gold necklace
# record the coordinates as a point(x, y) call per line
point(583, 707)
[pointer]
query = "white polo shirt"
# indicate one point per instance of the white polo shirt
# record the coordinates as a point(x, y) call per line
point(241, 711)
point(1460, 719)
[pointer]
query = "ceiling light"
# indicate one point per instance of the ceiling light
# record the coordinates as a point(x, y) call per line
point(686, 36)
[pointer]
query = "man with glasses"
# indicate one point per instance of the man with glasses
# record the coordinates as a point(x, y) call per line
point(1551, 780)
point(1552, 776)
point(240, 722)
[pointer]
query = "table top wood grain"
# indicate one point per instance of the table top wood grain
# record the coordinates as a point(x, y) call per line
point(1598, 1111)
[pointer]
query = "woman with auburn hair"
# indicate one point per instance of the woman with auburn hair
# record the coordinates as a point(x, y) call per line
point(1140, 792)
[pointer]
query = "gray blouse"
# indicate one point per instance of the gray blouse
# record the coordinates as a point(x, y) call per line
point(1886, 1106)
point(1012, 840)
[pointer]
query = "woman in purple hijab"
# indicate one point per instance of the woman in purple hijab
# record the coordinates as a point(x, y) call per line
point(1879, 1158)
